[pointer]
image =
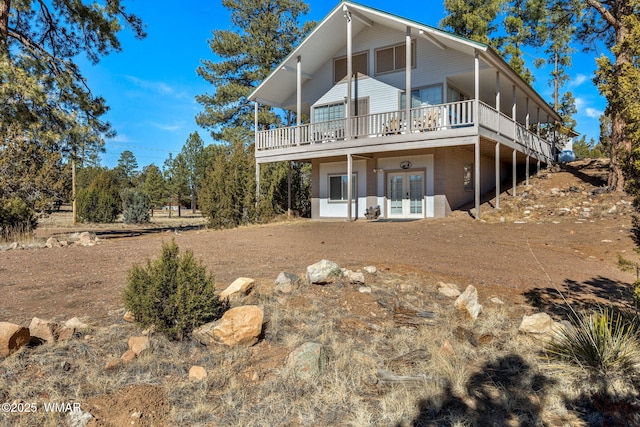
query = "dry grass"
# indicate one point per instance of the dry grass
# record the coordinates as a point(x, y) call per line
point(487, 374)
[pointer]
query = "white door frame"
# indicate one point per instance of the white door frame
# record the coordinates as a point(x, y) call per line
point(405, 205)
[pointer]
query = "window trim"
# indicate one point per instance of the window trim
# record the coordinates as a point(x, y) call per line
point(338, 58)
point(354, 183)
point(414, 57)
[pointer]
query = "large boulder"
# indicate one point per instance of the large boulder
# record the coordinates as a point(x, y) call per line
point(240, 326)
point(323, 272)
point(242, 286)
point(12, 337)
point(309, 359)
point(468, 301)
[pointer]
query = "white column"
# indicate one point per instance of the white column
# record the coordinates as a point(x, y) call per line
point(527, 117)
point(527, 169)
point(514, 173)
point(497, 175)
point(255, 131)
point(476, 102)
point(349, 77)
point(476, 181)
point(498, 99)
point(408, 80)
point(298, 98)
point(349, 185)
point(289, 189)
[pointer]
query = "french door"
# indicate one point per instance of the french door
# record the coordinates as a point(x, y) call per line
point(405, 194)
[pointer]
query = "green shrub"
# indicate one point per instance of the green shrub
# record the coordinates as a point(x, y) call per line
point(16, 218)
point(174, 293)
point(135, 206)
point(100, 202)
point(602, 342)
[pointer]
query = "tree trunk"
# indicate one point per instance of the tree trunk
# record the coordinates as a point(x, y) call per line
point(620, 142)
point(5, 6)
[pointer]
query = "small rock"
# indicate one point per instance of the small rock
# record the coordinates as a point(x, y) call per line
point(87, 239)
point(307, 360)
point(113, 363)
point(242, 285)
point(539, 323)
point(371, 269)
point(65, 333)
point(44, 330)
point(138, 344)
point(128, 356)
point(129, 317)
point(356, 278)
point(323, 272)
point(78, 418)
point(497, 300)
point(448, 289)
point(12, 337)
point(76, 324)
point(197, 373)
point(52, 242)
point(364, 290)
point(286, 282)
point(612, 210)
point(468, 301)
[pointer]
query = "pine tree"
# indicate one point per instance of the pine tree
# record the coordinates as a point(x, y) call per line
point(192, 157)
point(44, 97)
point(153, 184)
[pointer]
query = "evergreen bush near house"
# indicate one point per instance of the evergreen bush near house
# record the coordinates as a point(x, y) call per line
point(16, 218)
point(174, 293)
point(135, 206)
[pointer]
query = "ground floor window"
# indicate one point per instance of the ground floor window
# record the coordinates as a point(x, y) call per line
point(338, 186)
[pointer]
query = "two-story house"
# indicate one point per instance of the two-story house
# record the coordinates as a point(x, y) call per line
point(469, 123)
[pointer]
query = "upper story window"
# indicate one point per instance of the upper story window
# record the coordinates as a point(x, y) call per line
point(428, 95)
point(360, 65)
point(393, 58)
point(330, 112)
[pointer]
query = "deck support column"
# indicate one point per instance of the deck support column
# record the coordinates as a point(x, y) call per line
point(514, 173)
point(477, 177)
point(349, 73)
point(349, 185)
point(289, 212)
point(407, 74)
point(298, 98)
point(538, 167)
point(497, 175)
point(527, 169)
point(498, 99)
point(476, 94)
point(255, 132)
point(257, 184)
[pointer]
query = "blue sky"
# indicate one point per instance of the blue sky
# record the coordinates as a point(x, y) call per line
point(151, 85)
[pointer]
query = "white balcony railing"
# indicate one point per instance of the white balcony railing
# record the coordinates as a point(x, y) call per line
point(430, 118)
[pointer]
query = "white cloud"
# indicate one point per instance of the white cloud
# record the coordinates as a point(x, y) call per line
point(171, 127)
point(120, 138)
point(594, 113)
point(158, 87)
point(578, 80)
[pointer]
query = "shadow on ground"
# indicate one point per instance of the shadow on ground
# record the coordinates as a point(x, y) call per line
point(505, 392)
point(580, 296)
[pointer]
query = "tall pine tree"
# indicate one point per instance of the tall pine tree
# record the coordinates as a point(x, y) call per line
point(265, 31)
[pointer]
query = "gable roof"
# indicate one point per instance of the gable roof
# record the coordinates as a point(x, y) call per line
point(329, 36)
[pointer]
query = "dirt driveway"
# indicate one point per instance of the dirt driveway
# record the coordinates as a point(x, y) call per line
point(504, 259)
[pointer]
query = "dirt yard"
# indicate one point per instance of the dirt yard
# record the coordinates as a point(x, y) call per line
point(555, 234)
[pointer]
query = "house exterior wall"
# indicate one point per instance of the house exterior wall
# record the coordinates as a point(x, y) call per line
point(339, 209)
point(444, 180)
point(433, 66)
